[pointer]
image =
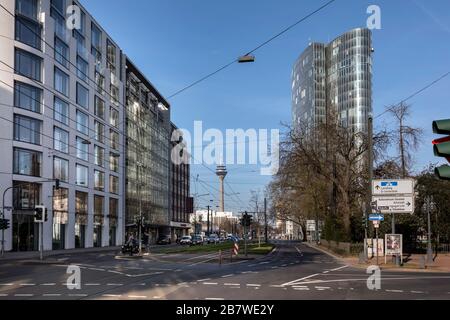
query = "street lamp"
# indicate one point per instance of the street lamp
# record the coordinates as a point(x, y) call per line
point(246, 58)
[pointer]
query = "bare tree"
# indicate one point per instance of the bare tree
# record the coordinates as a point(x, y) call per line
point(406, 138)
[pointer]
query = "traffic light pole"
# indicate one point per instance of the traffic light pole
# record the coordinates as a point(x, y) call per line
point(369, 191)
point(41, 241)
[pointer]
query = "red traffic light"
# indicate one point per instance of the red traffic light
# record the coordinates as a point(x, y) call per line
point(441, 140)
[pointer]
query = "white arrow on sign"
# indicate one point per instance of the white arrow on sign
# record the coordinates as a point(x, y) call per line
point(395, 204)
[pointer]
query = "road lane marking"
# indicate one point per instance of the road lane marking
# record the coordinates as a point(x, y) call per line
point(156, 297)
point(97, 269)
point(78, 295)
point(264, 262)
point(219, 299)
point(92, 284)
point(232, 284)
point(52, 295)
point(24, 295)
point(137, 297)
point(420, 292)
point(48, 284)
point(253, 285)
point(302, 289)
point(228, 275)
point(298, 280)
point(210, 283)
point(3, 295)
point(27, 284)
point(322, 288)
point(395, 291)
point(204, 280)
point(326, 272)
point(340, 268)
point(274, 267)
point(276, 286)
point(114, 284)
point(6, 284)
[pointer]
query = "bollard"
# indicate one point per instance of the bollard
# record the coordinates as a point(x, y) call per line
point(422, 264)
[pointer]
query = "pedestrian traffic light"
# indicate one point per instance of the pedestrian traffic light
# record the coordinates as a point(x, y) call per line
point(4, 224)
point(39, 214)
point(442, 147)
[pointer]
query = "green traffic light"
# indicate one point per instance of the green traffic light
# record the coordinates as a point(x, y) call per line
point(443, 172)
point(441, 126)
point(442, 149)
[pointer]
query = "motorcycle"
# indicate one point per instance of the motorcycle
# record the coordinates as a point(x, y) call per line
point(131, 249)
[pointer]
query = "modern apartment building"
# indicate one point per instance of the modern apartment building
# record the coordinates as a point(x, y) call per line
point(77, 113)
point(334, 77)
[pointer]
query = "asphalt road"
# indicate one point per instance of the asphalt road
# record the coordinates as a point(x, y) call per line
point(293, 271)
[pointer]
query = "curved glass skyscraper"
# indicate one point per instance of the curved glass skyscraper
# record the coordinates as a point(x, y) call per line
point(334, 77)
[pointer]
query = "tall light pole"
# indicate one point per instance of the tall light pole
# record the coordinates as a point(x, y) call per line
point(370, 176)
point(429, 248)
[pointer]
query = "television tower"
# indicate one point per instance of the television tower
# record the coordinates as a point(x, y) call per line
point(221, 172)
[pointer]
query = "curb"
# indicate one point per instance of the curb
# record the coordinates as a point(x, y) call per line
point(324, 251)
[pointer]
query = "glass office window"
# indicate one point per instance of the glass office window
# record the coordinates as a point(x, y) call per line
point(27, 97)
point(114, 139)
point(61, 169)
point(28, 65)
point(114, 117)
point(96, 36)
point(99, 108)
point(82, 96)
point(99, 131)
point(100, 82)
point(27, 129)
point(28, 32)
point(82, 149)
point(99, 180)
point(99, 156)
point(62, 52)
point(114, 162)
point(61, 82)
point(114, 184)
point(61, 111)
point(61, 140)
point(82, 175)
point(27, 162)
point(82, 69)
point(27, 8)
point(82, 122)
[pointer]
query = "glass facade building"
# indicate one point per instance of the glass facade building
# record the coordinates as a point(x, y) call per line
point(334, 77)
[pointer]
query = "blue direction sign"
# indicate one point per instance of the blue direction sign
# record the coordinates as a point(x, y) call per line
point(376, 217)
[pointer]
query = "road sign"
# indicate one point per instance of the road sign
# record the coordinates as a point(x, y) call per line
point(235, 248)
point(310, 225)
point(392, 187)
point(403, 204)
point(376, 217)
point(376, 223)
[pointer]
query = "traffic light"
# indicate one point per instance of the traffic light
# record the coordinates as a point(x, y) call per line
point(246, 220)
point(442, 147)
point(39, 214)
point(57, 184)
point(4, 224)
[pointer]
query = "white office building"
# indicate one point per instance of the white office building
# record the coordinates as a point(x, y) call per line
point(61, 118)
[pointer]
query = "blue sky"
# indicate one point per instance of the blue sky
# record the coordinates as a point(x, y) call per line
point(175, 42)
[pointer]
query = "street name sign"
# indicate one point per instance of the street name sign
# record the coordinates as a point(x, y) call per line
point(392, 187)
point(376, 217)
point(396, 204)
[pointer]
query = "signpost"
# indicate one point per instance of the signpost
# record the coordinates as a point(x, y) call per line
point(395, 204)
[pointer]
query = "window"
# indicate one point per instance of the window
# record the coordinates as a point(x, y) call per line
point(27, 162)
point(28, 8)
point(111, 56)
point(61, 82)
point(28, 32)
point(81, 47)
point(82, 149)
point(114, 91)
point(99, 180)
point(99, 132)
point(97, 57)
point(58, 5)
point(58, 11)
point(61, 111)
point(114, 184)
point(27, 97)
point(99, 156)
point(61, 169)
point(27, 129)
point(26, 196)
point(113, 207)
point(62, 52)
point(81, 202)
point(96, 36)
point(82, 122)
point(28, 65)
point(114, 139)
point(61, 140)
point(113, 162)
point(82, 96)
point(82, 174)
point(98, 206)
point(100, 82)
point(82, 69)
point(99, 108)
point(114, 117)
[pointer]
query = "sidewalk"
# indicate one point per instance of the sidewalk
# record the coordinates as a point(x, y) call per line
point(33, 255)
point(410, 263)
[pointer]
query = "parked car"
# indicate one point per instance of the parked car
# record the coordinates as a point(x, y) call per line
point(164, 239)
point(197, 240)
point(213, 238)
point(186, 240)
point(233, 239)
